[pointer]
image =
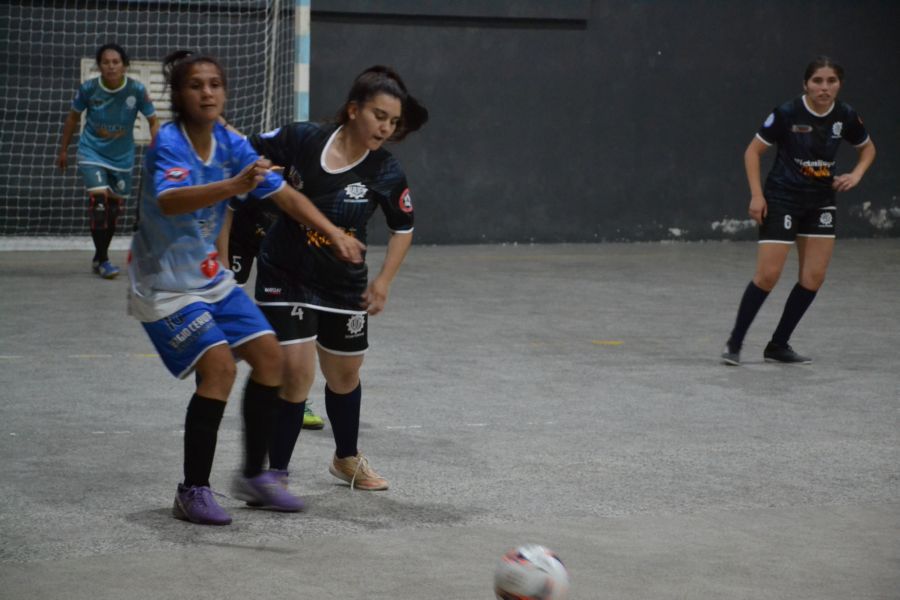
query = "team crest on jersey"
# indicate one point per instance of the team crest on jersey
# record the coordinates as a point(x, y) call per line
point(836, 129)
point(406, 204)
point(355, 324)
point(801, 128)
point(356, 192)
point(294, 179)
point(176, 174)
point(825, 220)
point(130, 101)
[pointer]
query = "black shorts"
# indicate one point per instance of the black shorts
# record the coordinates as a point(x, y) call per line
point(787, 218)
point(242, 249)
point(338, 333)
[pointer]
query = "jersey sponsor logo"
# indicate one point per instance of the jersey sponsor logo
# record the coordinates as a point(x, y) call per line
point(826, 220)
point(801, 128)
point(817, 169)
point(317, 240)
point(356, 192)
point(272, 291)
point(836, 129)
point(194, 328)
point(355, 325)
point(176, 174)
point(769, 120)
point(210, 266)
point(406, 204)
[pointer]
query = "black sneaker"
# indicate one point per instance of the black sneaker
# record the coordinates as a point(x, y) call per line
point(730, 358)
point(784, 354)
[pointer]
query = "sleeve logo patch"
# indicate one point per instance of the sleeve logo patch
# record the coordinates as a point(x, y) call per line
point(406, 204)
point(769, 120)
point(176, 174)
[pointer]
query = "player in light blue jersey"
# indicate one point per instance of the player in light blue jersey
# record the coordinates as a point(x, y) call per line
point(106, 145)
point(196, 316)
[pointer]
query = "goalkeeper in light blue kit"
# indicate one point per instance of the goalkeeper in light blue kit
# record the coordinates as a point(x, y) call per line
point(106, 146)
point(187, 301)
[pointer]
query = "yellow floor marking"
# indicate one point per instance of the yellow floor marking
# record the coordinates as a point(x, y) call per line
point(607, 342)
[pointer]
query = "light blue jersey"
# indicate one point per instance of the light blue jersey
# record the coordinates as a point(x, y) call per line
point(173, 259)
point(108, 136)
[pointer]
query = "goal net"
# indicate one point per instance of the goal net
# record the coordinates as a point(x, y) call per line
point(47, 48)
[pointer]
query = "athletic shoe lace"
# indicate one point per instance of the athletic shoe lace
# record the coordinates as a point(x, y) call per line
point(362, 466)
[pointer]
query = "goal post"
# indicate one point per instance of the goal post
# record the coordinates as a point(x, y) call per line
point(48, 48)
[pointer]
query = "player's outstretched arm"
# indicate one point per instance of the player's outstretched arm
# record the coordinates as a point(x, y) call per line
point(301, 209)
point(187, 199)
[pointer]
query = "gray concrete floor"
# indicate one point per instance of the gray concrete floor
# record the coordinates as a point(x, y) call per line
point(568, 395)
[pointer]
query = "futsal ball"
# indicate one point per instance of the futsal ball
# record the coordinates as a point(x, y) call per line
point(531, 572)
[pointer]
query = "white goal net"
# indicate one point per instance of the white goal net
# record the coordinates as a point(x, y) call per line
point(47, 48)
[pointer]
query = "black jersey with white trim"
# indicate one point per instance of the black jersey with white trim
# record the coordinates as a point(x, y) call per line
point(296, 264)
point(808, 143)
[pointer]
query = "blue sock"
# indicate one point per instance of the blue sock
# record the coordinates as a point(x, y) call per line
point(343, 412)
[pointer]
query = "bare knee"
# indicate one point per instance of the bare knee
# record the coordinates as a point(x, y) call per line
point(812, 280)
point(343, 382)
point(266, 359)
point(766, 278)
point(217, 374)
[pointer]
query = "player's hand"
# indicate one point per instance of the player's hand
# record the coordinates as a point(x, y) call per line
point(347, 248)
point(251, 176)
point(758, 208)
point(62, 160)
point(375, 297)
point(844, 182)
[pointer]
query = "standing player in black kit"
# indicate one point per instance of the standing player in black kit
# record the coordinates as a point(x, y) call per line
point(317, 305)
point(798, 201)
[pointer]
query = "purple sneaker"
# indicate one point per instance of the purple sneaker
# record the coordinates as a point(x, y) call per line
point(266, 490)
point(197, 505)
point(281, 476)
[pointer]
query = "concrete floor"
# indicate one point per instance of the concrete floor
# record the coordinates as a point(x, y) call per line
point(568, 395)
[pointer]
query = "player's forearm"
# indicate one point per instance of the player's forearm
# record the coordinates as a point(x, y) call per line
point(153, 122)
point(188, 199)
point(865, 160)
point(397, 249)
point(68, 131)
point(301, 209)
point(751, 167)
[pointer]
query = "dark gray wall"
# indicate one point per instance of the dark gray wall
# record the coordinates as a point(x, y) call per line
point(600, 120)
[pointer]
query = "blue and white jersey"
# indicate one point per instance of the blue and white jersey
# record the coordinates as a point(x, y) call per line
point(173, 260)
point(108, 136)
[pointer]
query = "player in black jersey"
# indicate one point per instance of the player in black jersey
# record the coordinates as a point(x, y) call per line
point(241, 246)
point(318, 306)
point(797, 204)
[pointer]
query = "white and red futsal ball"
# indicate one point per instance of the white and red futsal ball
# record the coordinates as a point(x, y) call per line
point(531, 572)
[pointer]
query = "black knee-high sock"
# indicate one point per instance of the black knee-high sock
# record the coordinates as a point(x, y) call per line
point(343, 412)
point(751, 302)
point(111, 218)
point(260, 403)
point(797, 303)
point(288, 423)
point(101, 245)
point(201, 428)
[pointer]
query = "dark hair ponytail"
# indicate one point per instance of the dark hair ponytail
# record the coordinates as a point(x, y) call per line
point(384, 80)
point(176, 67)
point(820, 62)
point(116, 48)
